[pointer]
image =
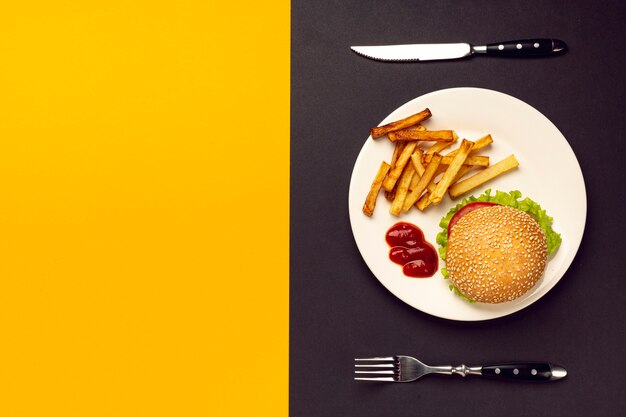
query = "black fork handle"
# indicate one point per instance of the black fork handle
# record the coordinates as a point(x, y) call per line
point(524, 371)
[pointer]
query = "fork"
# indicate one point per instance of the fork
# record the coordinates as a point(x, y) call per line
point(402, 368)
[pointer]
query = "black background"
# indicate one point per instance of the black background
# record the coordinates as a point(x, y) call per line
point(338, 310)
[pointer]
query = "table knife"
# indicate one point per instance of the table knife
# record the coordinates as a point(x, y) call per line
point(437, 51)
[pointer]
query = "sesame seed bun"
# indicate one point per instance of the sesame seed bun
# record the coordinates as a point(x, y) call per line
point(496, 254)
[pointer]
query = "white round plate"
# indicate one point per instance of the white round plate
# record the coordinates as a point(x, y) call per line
point(549, 173)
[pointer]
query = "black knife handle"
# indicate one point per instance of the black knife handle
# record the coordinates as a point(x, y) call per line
point(525, 47)
point(524, 371)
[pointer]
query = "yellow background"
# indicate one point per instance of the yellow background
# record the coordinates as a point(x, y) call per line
point(144, 194)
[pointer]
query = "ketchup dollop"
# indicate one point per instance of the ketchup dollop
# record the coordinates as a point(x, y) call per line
point(409, 249)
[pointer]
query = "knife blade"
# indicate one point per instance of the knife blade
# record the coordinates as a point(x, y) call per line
point(440, 51)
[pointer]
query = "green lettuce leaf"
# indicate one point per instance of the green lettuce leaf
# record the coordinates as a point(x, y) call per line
point(511, 199)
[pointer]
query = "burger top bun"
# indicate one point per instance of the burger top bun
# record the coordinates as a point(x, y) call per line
point(496, 254)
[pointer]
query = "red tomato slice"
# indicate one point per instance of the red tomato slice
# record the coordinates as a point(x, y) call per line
point(467, 209)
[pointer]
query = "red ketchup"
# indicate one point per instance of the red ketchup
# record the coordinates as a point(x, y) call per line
point(409, 249)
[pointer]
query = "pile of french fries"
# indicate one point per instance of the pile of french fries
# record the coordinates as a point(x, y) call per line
point(419, 175)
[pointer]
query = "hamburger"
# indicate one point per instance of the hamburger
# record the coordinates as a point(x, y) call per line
point(496, 247)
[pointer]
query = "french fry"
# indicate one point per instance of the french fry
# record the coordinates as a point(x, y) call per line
point(412, 120)
point(425, 135)
point(464, 170)
point(402, 190)
point(414, 181)
point(424, 180)
point(483, 176)
point(397, 169)
point(397, 150)
point(478, 144)
point(394, 137)
point(370, 200)
point(451, 172)
point(482, 142)
point(482, 161)
point(478, 160)
point(416, 158)
point(424, 201)
point(440, 146)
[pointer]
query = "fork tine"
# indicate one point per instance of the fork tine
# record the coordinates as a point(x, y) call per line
point(380, 378)
point(389, 372)
point(374, 365)
point(380, 358)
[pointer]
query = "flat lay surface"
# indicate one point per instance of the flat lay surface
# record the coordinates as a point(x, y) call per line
point(560, 116)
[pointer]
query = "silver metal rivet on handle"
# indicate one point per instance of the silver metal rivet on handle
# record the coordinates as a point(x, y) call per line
point(500, 47)
point(536, 45)
point(516, 371)
point(518, 46)
point(497, 371)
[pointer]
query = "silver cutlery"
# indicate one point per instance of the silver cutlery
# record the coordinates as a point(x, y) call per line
point(436, 51)
point(402, 368)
